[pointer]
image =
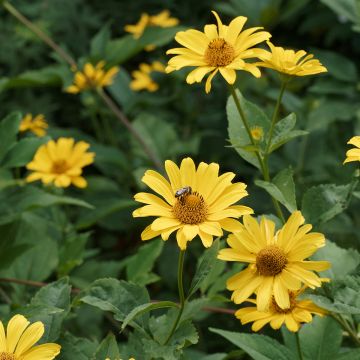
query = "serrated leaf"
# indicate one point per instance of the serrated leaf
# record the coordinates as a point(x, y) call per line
point(323, 202)
point(204, 267)
point(237, 132)
point(144, 308)
point(108, 348)
point(282, 188)
point(259, 347)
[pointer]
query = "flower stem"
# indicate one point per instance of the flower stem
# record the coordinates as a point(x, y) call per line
point(275, 117)
point(299, 346)
point(45, 38)
point(263, 165)
point(125, 121)
point(345, 325)
point(181, 294)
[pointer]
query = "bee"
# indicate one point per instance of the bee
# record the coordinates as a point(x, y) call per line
point(186, 190)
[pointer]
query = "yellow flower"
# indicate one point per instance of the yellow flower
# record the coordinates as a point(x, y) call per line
point(257, 133)
point(92, 78)
point(197, 202)
point(36, 125)
point(219, 48)
point(290, 62)
point(299, 311)
point(163, 20)
point(142, 79)
point(353, 154)
point(276, 261)
point(60, 163)
point(20, 338)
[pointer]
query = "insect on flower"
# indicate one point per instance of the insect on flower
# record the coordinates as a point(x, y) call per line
point(186, 190)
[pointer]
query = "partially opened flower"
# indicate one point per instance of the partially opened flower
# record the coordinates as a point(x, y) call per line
point(221, 48)
point(163, 19)
point(142, 79)
point(36, 124)
point(19, 341)
point(92, 77)
point(300, 311)
point(276, 261)
point(353, 154)
point(193, 202)
point(290, 62)
point(61, 163)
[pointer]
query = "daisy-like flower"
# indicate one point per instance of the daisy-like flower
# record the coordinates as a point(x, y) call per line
point(219, 48)
point(197, 202)
point(163, 19)
point(142, 77)
point(276, 261)
point(61, 163)
point(290, 62)
point(19, 340)
point(36, 124)
point(92, 78)
point(353, 154)
point(299, 311)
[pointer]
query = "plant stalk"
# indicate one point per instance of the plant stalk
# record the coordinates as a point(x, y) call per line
point(299, 346)
point(181, 294)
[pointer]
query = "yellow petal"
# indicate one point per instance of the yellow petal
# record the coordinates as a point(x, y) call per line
point(15, 328)
point(30, 337)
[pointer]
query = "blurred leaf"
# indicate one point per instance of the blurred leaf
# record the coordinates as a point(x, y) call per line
point(282, 188)
point(108, 349)
point(321, 338)
point(23, 152)
point(139, 266)
point(9, 127)
point(144, 308)
point(323, 202)
point(283, 132)
point(99, 42)
point(259, 347)
point(237, 131)
point(205, 264)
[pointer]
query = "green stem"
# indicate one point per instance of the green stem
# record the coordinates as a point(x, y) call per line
point(181, 294)
point(353, 185)
point(345, 325)
point(263, 165)
point(275, 117)
point(298, 346)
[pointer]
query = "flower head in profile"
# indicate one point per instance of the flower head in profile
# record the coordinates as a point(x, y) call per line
point(92, 77)
point(353, 154)
point(163, 19)
point(221, 48)
point(36, 124)
point(300, 311)
point(61, 163)
point(290, 62)
point(142, 79)
point(277, 262)
point(18, 343)
point(192, 202)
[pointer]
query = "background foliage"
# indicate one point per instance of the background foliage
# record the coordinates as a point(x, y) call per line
point(84, 243)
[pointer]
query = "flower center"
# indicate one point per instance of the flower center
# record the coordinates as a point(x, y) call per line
point(190, 208)
point(59, 167)
point(7, 356)
point(270, 261)
point(274, 307)
point(219, 53)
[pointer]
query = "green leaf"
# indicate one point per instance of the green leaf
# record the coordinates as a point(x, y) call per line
point(57, 295)
point(99, 42)
point(118, 297)
point(259, 347)
point(283, 132)
point(237, 131)
point(349, 355)
point(77, 348)
point(23, 152)
point(323, 202)
point(320, 339)
point(9, 128)
point(108, 349)
point(282, 188)
point(139, 266)
point(144, 308)
point(205, 264)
